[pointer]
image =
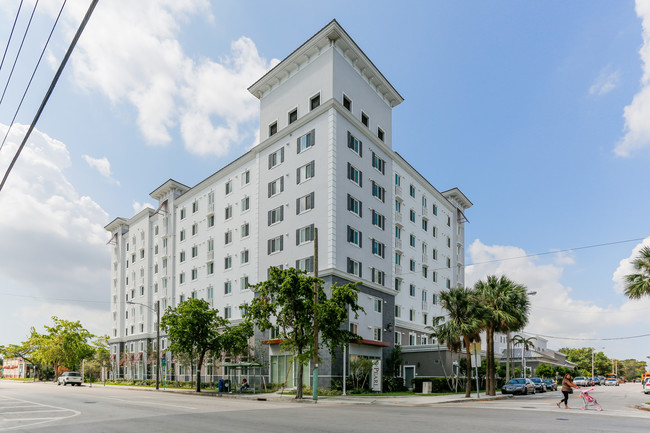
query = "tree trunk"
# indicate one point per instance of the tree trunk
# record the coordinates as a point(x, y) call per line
point(468, 370)
point(490, 389)
point(299, 380)
point(198, 372)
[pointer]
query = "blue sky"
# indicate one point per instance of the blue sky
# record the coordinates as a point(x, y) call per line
point(538, 111)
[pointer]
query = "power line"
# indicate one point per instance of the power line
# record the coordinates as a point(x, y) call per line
point(11, 34)
point(590, 339)
point(19, 50)
point(32, 77)
point(51, 89)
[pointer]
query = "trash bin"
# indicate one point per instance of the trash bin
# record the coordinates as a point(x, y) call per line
point(220, 386)
point(226, 385)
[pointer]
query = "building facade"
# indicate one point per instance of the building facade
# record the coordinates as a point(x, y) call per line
point(325, 161)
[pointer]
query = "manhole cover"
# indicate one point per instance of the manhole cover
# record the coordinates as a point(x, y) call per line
point(528, 407)
point(90, 402)
point(561, 419)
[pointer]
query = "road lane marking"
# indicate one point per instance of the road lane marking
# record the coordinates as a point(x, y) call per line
point(10, 423)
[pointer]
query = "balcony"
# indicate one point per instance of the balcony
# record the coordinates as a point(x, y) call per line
point(398, 217)
point(425, 211)
point(210, 255)
point(398, 244)
point(425, 306)
point(425, 258)
point(398, 269)
point(211, 208)
point(398, 190)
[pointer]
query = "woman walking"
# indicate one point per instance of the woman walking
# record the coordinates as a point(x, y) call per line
point(567, 384)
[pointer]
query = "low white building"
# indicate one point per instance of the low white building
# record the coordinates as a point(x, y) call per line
point(325, 161)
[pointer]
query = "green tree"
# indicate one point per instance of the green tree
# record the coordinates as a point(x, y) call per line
point(394, 361)
point(504, 306)
point(463, 324)
point(65, 344)
point(25, 351)
point(546, 371)
point(526, 344)
point(195, 329)
point(100, 359)
point(637, 284)
point(288, 297)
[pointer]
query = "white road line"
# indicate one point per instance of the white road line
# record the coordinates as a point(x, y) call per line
point(31, 422)
point(38, 411)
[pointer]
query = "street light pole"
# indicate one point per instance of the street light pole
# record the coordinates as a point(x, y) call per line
point(157, 311)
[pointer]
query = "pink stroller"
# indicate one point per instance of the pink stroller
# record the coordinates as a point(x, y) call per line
point(588, 400)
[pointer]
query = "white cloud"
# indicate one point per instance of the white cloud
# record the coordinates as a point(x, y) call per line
point(606, 81)
point(143, 64)
point(53, 239)
point(138, 207)
point(637, 126)
point(102, 165)
point(625, 266)
point(554, 310)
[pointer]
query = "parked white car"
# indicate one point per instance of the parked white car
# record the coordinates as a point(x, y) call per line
point(70, 377)
point(646, 387)
point(611, 382)
point(581, 381)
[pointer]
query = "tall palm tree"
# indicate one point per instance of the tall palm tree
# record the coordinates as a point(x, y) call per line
point(638, 285)
point(505, 307)
point(526, 343)
point(463, 325)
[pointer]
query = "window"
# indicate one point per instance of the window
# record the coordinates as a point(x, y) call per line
point(276, 158)
point(412, 339)
point(228, 187)
point(293, 116)
point(412, 241)
point(183, 215)
point(354, 237)
point(276, 215)
point(398, 338)
point(448, 283)
point(448, 221)
point(354, 175)
point(412, 191)
point(354, 267)
point(195, 251)
point(425, 224)
point(412, 265)
point(276, 187)
point(377, 276)
point(228, 212)
point(305, 203)
point(246, 178)
point(273, 128)
point(314, 102)
point(227, 237)
point(155, 249)
point(347, 103)
point(448, 262)
point(377, 305)
point(398, 232)
point(195, 229)
point(305, 234)
point(354, 328)
point(424, 201)
point(210, 268)
point(377, 334)
point(378, 191)
point(227, 287)
point(227, 262)
point(378, 163)
point(227, 312)
point(398, 311)
point(244, 283)
point(195, 207)
point(435, 209)
point(398, 284)
point(181, 278)
point(434, 254)
point(245, 204)
point(364, 118)
point(245, 230)
point(305, 172)
point(425, 272)
point(378, 220)
point(275, 245)
point(354, 205)
point(195, 274)
point(211, 198)
point(244, 256)
point(434, 231)
point(380, 134)
point(181, 257)
point(412, 315)
point(354, 144)
point(378, 248)
point(306, 141)
point(398, 259)
point(398, 206)
point(398, 180)
point(306, 264)
point(210, 292)
point(435, 280)
point(412, 290)
point(412, 215)
point(211, 221)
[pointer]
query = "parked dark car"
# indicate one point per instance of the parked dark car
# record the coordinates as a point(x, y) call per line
point(597, 381)
point(540, 386)
point(551, 385)
point(518, 386)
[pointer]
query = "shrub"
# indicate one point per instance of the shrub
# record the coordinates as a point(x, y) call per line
point(438, 384)
point(393, 384)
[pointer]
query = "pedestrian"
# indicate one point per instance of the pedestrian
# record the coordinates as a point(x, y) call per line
point(567, 388)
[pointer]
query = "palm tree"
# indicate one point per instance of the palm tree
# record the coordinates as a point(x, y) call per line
point(505, 306)
point(463, 325)
point(638, 285)
point(526, 343)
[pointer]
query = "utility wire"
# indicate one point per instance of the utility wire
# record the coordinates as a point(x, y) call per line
point(51, 89)
point(18, 54)
point(32, 77)
point(11, 34)
point(590, 339)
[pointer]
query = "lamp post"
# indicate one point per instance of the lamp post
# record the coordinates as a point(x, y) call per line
point(157, 311)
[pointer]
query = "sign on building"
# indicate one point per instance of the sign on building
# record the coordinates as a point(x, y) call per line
point(375, 376)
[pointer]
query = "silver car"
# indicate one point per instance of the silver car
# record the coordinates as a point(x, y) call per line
point(518, 386)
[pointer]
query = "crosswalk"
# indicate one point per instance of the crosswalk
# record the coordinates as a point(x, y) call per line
point(20, 414)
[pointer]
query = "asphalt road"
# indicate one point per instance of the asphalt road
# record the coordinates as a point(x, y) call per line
point(48, 408)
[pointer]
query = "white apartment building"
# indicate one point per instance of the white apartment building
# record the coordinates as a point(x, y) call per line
point(325, 161)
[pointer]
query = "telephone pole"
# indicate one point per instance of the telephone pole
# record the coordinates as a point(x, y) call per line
point(315, 360)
